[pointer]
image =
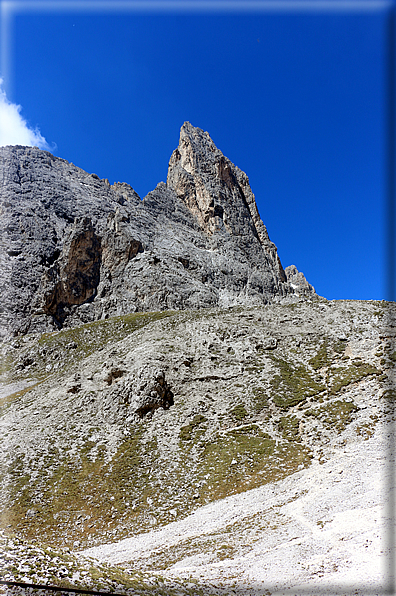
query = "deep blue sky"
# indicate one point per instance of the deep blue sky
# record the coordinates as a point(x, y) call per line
point(295, 100)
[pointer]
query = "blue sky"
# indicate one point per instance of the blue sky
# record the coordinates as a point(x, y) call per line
point(294, 98)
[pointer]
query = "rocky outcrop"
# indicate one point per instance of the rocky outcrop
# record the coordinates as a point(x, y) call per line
point(74, 248)
point(298, 282)
point(218, 193)
point(74, 277)
point(156, 394)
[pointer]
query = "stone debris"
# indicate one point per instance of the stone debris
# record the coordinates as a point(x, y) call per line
point(159, 418)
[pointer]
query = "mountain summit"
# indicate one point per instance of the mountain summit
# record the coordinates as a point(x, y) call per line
point(218, 193)
point(76, 249)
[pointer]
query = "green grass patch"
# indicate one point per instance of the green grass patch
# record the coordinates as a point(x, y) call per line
point(239, 412)
point(101, 492)
point(337, 414)
point(246, 458)
point(292, 384)
point(187, 432)
point(248, 430)
point(261, 397)
point(289, 426)
point(339, 346)
point(344, 376)
point(321, 358)
point(98, 333)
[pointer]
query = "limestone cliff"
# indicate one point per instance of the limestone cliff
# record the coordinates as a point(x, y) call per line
point(75, 249)
point(218, 193)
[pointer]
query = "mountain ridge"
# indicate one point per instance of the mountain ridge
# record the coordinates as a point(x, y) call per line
point(76, 249)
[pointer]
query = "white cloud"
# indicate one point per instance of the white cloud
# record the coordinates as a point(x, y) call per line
point(14, 130)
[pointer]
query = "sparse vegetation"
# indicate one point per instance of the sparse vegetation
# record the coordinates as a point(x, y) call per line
point(320, 359)
point(289, 426)
point(186, 432)
point(247, 418)
point(239, 412)
point(293, 384)
point(344, 376)
point(336, 414)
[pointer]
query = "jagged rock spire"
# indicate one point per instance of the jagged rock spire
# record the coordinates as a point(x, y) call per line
point(216, 191)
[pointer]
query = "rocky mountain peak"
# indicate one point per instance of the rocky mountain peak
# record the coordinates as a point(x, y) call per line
point(298, 282)
point(217, 192)
point(75, 249)
point(213, 188)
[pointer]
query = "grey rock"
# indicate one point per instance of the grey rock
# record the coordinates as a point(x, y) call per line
point(75, 249)
point(298, 282)
point(157, 395)
point(114, 374)
point(219, 195)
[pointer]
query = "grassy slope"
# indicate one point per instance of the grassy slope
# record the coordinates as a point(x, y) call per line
point(233, 432)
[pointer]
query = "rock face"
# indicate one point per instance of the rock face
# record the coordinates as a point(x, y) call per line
point(218, 194)
point(298, 282)
point(75, 249)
